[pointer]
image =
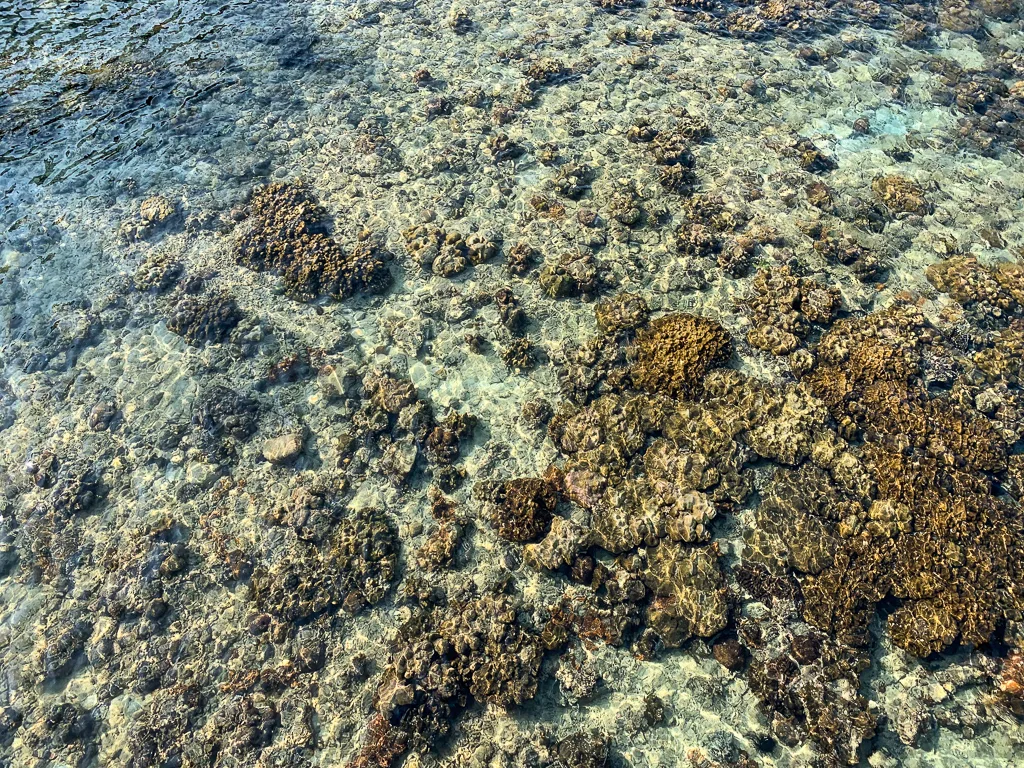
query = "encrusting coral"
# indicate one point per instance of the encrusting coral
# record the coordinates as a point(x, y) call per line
point(447, 253)
point(992, 295)
point(690, 598)
point(910, 514)
point(622, 312)
point(575, 273)
point(884, 492)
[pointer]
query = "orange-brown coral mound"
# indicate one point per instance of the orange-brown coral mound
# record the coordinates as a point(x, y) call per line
point(675, 352)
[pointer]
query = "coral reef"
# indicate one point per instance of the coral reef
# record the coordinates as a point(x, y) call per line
point(586, 750)
point(901, 195)
point(572, 180)
point(207, 319)
point(992, 295)
point(158, 273)
point(784, 308)
point(808, 685)
point(438, 551)
point(737, 419)
point(909, 515)
point(521, 508)
point(155, 214)
point(572, 274)
point(690, 598)
point(711, 228)
point(351, 569)
point(845, 250)
point(622, 312)
point(518, 355)
point(519, 259)
point(447, 253)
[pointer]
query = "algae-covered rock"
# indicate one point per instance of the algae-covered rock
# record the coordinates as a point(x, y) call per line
point(398, 459)
point(283, 449)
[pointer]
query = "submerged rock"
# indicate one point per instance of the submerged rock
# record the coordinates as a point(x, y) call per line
point(283, 449)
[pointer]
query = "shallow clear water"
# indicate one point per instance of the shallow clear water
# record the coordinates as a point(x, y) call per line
point(550, 384)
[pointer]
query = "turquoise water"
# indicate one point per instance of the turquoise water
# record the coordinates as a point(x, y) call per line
point(511, 384)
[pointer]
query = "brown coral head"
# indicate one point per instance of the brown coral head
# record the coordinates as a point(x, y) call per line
point(522, 507)
point(289, 235)
point(675, 352)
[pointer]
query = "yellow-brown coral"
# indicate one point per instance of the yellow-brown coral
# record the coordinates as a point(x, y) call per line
point(675, 352)
point(901, 195)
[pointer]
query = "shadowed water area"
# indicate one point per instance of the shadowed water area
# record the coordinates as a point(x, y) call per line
point(568, 384)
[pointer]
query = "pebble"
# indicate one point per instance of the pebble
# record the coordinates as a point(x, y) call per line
point(283, 449)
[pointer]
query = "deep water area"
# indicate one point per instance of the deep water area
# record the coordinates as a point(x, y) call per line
point(512, 384)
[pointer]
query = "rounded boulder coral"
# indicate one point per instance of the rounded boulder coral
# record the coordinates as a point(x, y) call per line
point(675, 352)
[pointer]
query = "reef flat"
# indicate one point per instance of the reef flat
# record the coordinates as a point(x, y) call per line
point(557, 384)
